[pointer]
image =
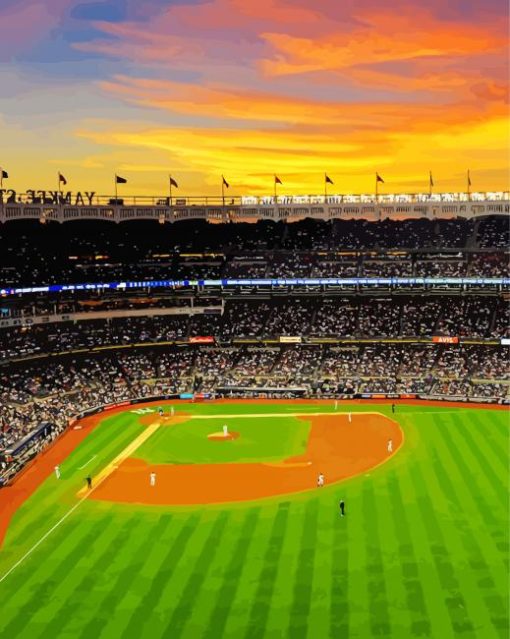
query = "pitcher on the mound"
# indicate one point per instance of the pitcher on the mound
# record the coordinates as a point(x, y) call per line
point(225, 431)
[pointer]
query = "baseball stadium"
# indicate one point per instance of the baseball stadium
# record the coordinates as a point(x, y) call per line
point(280, 417)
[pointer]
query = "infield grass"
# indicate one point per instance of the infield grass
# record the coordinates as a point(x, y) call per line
point(422, 551)
point(260, 439)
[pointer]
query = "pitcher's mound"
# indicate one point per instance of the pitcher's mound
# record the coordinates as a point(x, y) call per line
point(220, 437)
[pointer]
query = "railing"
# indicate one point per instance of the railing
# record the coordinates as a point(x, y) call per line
point(63, 207)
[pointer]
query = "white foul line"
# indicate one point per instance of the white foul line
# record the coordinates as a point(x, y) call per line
point(37, 544)
point(98, 481)
point(87, 463)
point(29, 552)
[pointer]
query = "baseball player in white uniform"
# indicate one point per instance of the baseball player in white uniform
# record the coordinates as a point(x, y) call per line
point(320, 481)
point(390, 445)
point(153, 479)
point(57, 472)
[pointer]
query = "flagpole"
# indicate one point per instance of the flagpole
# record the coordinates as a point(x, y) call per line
point(116, 199)
point(275, 196)
point(170, 188)
point(468, 185)
point(376, 188)
point(223, 190)
point(325, 189)
point(430, 183)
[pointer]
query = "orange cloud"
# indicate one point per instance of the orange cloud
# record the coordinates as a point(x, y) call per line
point(383, 37)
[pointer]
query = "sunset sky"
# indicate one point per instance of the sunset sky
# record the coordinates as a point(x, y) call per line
point(250, 88)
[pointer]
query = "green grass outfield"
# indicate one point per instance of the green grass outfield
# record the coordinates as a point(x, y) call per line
point(422, 552)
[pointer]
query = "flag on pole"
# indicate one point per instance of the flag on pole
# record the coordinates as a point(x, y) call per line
point(225, 183)
point(431, 181)
point(328, 179)
point(277, 180)
point(173, 182)
point(4, 174)
point(469, 179)
point(378, 178)
point(120, 180)
point(61, 179)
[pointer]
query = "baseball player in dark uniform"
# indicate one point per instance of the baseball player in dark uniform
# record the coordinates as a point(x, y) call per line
point(342, 508)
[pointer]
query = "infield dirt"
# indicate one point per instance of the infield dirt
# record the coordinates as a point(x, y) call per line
point(337, 448)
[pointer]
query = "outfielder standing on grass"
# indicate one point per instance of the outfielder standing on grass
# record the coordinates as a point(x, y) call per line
point(57, 472)
point(342, 508)
point(88, 479)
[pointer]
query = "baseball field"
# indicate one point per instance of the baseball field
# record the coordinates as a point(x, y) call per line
point(234, 539)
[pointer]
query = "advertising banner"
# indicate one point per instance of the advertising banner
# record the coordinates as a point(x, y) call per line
point(208, 339)
point(445, 339)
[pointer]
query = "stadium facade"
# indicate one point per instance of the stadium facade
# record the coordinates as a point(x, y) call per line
point(65, 206)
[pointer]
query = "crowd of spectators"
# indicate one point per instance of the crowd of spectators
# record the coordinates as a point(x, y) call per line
point(35, 392)
point(96, 361)
point(483, 316)
point(93, 251)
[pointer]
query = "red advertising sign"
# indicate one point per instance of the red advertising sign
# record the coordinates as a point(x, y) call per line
point(201, 340)
point(444, 339)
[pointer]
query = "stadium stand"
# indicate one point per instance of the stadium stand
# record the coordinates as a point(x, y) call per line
point(65, 353)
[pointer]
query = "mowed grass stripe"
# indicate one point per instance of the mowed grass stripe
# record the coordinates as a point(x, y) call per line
point(206, 596)
point(422, 623)
point(386, 552)
point(328, 519)
point(453, 453)
point(445, 557)
point(249, 577)
point(380, 621)
point(195, 587)
point(261, 604)
point(232, 576)
point(459, 533)
point(303, 578)
point(359, 619)
point(490, 581)
point(122, 575)
point(482, 456)
point(36, 580)
point(476, 439)
point(72, 593)
point(163, 554)
point(430, 577)
point(497, 440)
point(338, 619)
point(282, 596)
